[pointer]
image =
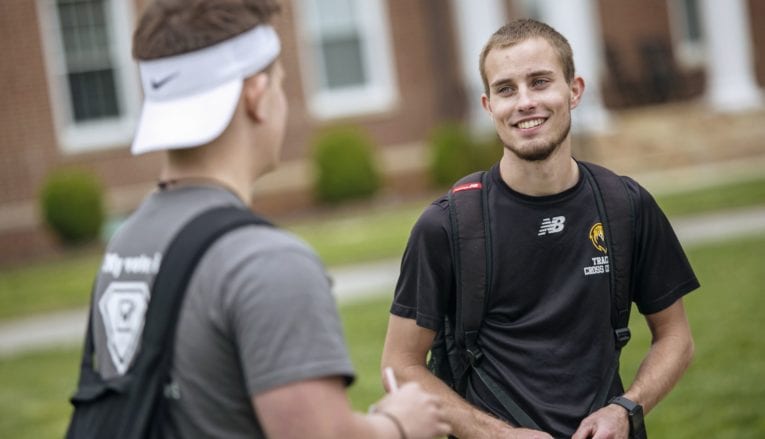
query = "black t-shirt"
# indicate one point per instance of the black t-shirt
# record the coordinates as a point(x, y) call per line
point(547, 331)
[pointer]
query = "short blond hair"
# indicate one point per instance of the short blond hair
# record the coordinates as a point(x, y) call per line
point(521, 30)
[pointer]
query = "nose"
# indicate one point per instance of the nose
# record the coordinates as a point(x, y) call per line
point(526, 100)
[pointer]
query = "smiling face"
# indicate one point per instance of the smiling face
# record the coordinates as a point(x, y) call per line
point(529, 99)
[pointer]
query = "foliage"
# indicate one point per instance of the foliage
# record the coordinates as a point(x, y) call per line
point(455, 153)
point(72, 205)
point(345, 165)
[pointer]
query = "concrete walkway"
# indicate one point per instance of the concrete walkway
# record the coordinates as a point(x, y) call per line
point(358, 281)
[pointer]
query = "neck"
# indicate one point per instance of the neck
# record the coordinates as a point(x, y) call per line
point(540, 178)
point(196, 180)
point(213, 164)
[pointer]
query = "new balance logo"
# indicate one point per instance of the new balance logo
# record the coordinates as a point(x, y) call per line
point(552, 225)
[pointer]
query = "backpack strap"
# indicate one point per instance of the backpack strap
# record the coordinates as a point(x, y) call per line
point(472, 259)
point(156, 352)
point(617, 212)
point(167, 294)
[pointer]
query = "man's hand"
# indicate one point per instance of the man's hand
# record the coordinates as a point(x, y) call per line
point(419, 413)
point(610, 422)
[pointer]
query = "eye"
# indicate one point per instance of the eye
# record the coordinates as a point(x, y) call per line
point(540, 82)
point(504, 90)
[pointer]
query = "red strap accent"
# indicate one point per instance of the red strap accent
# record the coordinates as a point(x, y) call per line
point(467, 187)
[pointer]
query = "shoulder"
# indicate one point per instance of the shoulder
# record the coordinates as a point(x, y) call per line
point(637, 194)
point(434, 219)
point(264, 242)
point(265, 259)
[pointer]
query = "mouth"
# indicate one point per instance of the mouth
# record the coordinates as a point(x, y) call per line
point(530, 123)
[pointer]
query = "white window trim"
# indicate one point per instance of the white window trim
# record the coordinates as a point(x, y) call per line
point(379, 95)
point(116, 132)
point(690, 54)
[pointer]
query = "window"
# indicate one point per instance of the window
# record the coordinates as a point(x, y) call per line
point(347, 66)
point(92, 78)
point(687, 31)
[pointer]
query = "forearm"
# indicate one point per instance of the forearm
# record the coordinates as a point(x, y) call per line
point(466, 420)
point(375, 426)
point(661, 369)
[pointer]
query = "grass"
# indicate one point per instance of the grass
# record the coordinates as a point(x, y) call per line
point(47, 286)
point(339, 239)
point(36, 388)
point(370, 235)
point(720, 396)
point(722, 393)
point(728, 196)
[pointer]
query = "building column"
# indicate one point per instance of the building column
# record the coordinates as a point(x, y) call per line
point(476, 21)
point(731, 84)
point(578, 21)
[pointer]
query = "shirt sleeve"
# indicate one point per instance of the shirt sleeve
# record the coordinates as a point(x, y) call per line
point(662, 271)
point(284, 320)
point(426, 281)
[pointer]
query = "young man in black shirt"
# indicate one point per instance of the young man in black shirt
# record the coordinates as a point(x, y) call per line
point(546, 334)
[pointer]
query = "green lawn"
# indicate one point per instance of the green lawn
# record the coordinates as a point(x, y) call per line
point(342, 238)
point(728, 196)
point(723, 392)
point(721, 396)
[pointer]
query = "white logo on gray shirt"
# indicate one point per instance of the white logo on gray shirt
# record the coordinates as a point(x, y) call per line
point(123, 307)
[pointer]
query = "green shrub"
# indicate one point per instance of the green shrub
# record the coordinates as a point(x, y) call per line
point(72, 205)
point(345, 165)
point(454, 153)
point(487, 152)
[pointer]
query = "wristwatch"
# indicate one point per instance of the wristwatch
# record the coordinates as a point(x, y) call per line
point(634, 414)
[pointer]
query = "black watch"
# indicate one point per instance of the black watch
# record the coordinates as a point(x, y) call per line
point(634, 414)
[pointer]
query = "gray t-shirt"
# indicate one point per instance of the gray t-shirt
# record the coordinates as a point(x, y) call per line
point(258, 314)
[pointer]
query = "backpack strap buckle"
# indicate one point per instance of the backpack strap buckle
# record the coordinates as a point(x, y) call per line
point(623, 336)
point(474, 356)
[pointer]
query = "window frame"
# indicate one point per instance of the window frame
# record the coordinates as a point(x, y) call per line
point(93, 135)
point(689, 53)
point(380, 92)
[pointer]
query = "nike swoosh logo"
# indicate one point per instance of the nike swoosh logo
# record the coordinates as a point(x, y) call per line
point(158, 83)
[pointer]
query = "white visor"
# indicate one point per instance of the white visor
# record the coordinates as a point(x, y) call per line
point(189, 99)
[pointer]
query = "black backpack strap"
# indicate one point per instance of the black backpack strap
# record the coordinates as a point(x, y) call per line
point(88, 374)
point(472, 259)
point(617, 212)
point(168, 292)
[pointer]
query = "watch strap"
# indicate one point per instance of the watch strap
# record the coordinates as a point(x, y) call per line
point(627, 403)
point(634, 415)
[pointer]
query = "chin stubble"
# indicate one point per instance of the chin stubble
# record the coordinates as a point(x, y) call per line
point(542, 153)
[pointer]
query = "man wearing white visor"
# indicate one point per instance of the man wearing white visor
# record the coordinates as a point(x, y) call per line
point(259, 349)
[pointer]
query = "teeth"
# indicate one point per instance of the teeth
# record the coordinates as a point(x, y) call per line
point(526, 124)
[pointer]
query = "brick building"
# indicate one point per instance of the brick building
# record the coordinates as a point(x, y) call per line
point(395, 67)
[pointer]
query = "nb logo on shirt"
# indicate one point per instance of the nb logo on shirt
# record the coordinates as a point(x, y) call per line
point(552, 225)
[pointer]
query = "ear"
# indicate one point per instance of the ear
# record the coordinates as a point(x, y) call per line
point(486, 104)
point(253, 90)
point(577, 90)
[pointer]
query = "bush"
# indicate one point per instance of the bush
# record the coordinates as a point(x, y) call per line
point(454, 153)
point(72, 205)
point(345, 166)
